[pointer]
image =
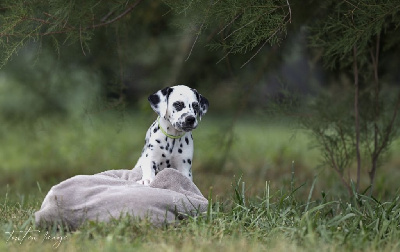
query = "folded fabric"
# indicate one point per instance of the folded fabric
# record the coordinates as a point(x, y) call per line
point(114, 193)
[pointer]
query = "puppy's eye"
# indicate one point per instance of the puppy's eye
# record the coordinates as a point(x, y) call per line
point(178, 105)
point(195, 106)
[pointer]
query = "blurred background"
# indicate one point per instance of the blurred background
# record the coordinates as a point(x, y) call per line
point(79, 106)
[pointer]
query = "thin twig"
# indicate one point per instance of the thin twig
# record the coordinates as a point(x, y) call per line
point(228, 24)
point(56, 19)
point(334, 164)
point(39, 20)
point(357, 117)
point(384, 144)
point(261, 47)
point(243, 26)
point(343, 141)
point(129, 9)
point(389, 128)
point(226, 55)
point(103, 19)
point(80, 40)
point(290, 11)
point(375, 155)
point(194, 42)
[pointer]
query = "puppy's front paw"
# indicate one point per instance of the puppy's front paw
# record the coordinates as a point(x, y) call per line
point(144, 182)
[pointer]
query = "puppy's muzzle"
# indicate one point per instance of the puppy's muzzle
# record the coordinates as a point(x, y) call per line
point(189, 123)
point(190, 120)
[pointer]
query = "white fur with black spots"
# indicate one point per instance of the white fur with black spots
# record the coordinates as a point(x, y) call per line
point(169, 141)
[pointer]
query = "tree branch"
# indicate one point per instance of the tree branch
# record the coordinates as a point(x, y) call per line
point(334, 164)
point(290, 11)
point(129, 9)
point(389, 128)
point(375, 153)
point(194, 42)
point(357, 117)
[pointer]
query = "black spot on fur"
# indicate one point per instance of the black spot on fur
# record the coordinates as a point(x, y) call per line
point(155, 130)
point(180, 150)
point(178, 105)
point(167, 161)
point(180, 145)
point(195, 107)
point(167, 91)
point(163, 155)
point(172, 147)
point(189, 161)
point(184, 161)
point(187, 140)
point(162, 147)
point(154, 99)
point(158, 141)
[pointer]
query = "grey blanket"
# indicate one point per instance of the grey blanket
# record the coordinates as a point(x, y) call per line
point(111, 194)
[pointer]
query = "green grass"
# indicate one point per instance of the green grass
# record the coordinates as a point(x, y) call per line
point(257, 203)
point(275, 220)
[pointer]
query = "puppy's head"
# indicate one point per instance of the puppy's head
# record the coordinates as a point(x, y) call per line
point(180, 105)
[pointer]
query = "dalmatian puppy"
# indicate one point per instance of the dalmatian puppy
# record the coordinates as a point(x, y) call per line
point(169, 141)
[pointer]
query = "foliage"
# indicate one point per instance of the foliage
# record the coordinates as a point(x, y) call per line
point(62, 22)
point(355, 36)
point(236, 26)
point(118, 50)
point(332, 126)
point(242, 25)
point(343, 25)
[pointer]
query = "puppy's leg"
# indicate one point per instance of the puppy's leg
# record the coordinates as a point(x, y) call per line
point(148, 170)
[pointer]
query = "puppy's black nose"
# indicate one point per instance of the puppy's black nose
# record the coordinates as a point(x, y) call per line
point(190, 120)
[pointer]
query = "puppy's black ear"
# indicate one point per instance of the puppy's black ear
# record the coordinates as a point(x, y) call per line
point(203, 103)
point(159, 101)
